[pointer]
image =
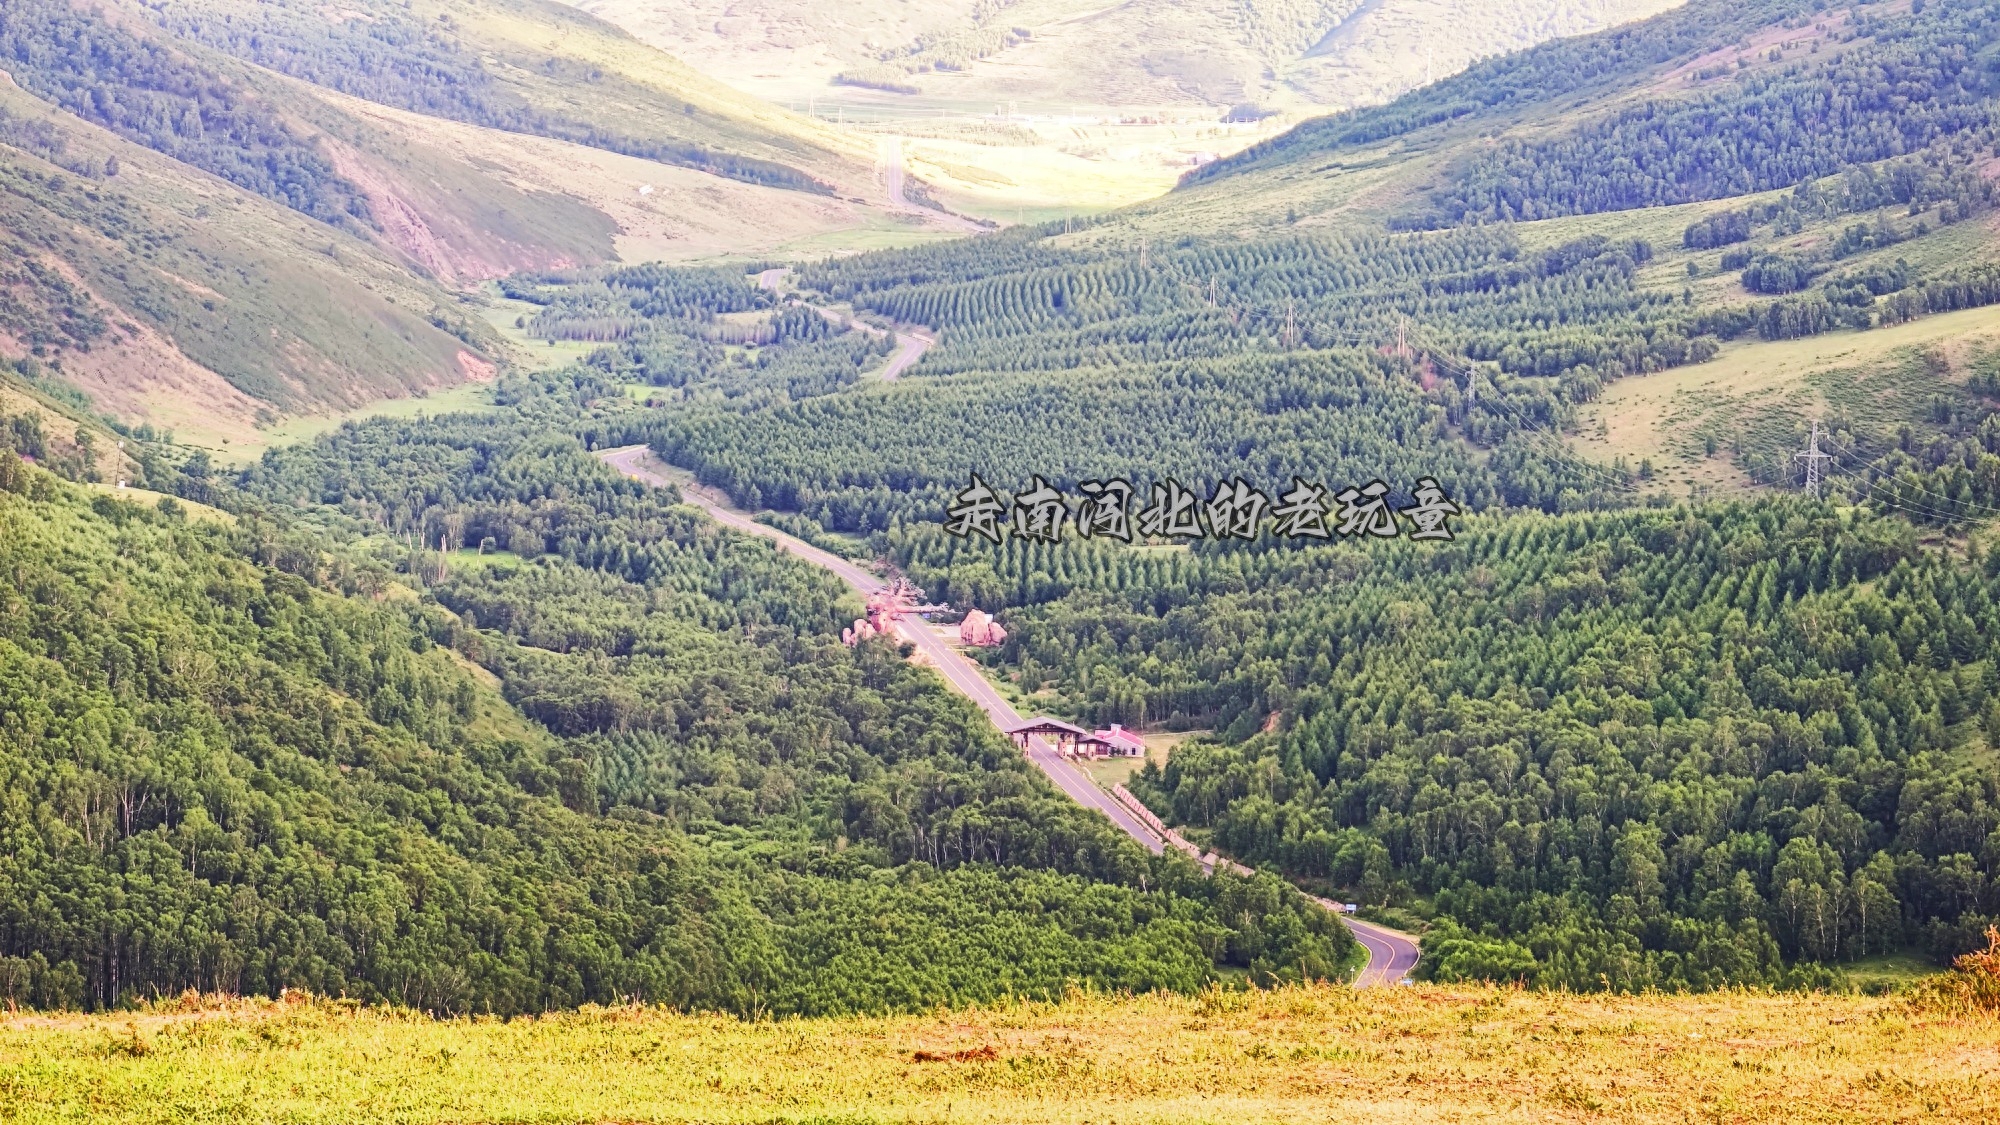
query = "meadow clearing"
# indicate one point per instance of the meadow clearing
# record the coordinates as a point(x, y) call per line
point(1313, 1053)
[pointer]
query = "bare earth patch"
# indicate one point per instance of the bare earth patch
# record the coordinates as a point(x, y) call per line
point(662, 212)
point(138, 375)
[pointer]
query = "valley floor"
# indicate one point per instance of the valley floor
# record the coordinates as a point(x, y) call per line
point(1315, 1053)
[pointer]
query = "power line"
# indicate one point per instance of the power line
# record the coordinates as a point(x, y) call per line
point(1877, 485)
point(1547, 442)
point(1873, 491)
point(1440, 357)
point(1812, 457)
point(1551, 444)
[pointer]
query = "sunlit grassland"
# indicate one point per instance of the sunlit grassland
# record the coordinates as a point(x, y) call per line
point(1316, 1054)
point(1050, 168)
point(1761, 390)
point(874, 231)
point(1888, 971)
point(650, 86)
point(463, 398)
point(510, 317)
point(1159, 748)
point(198, 513)
point(1107, 772)
point(583, 203)
point(1357, 188)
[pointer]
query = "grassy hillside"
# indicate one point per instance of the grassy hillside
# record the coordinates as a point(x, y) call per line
point(219, 215)
point(178, 300)
point(527, 66)
point(49, 415)
point(1677, 95)
point(1298, 1054)
point(482, 202)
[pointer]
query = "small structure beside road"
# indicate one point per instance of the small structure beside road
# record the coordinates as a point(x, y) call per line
point(979, 630)
point(886, 605)
point(1072, 741)
point(1063, 736)
point(1116, 742)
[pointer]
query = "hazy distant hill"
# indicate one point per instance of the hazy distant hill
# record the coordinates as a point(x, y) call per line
point(525, 66)
point(1092, 53)
point(220, 211)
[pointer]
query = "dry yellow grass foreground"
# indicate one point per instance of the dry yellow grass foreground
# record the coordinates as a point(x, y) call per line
point(1304, 1054)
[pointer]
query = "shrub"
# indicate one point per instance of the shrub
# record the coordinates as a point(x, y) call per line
point(1971, 988)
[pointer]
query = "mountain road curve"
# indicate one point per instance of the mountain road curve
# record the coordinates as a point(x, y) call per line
point(1391, 954)
point(911, 343)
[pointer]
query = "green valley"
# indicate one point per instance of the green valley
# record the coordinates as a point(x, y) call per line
point(545, 547)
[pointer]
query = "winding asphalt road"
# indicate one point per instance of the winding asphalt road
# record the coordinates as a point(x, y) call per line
point(1391, 953)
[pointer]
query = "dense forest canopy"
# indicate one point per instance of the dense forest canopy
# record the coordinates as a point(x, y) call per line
point(243, 756)
point(1903, 85)
point(443, 711)
point(1682, 748)
point(150, 93)
point(1278, 357)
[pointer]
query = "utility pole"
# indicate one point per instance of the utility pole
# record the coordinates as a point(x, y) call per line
point(1812, 457)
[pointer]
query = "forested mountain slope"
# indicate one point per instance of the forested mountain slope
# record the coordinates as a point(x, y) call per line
point(1640, 737)
point(250, 753)
point(1705, 102)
